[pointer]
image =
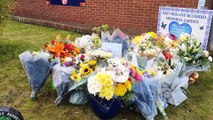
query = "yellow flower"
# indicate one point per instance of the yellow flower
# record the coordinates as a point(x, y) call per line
point(85, 70)
point(120, 90)
point(137, 39)
point(62, 60)
point(128, 85)
point(183, 38)
point(75, 76)
point(152, 34)
point(104, 79)
point(106, 92)
point(152, 72)
point(206, 53)
point(92, 62)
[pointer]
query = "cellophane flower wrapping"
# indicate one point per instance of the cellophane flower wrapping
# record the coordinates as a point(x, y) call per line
point(37, 68)
point(117, 37)
point(61, 81)
point(83, 67)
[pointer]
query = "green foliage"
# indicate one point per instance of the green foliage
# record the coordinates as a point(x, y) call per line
point(105, 27)
point(6, 9)
point(98, 29)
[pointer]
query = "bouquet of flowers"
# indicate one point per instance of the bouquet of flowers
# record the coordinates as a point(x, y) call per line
point(145, 45)
point(111, 81)
point(83, 67)
point(71, 76)
point(108, 87)
point(88, 42)
point(190, 51)
point(37, 67)
point(61, 49)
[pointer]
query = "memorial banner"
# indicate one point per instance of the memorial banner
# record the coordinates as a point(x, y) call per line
point(195, 22)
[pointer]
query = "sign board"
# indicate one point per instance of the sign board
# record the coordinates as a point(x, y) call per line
point(195, 22)
point(68, 2)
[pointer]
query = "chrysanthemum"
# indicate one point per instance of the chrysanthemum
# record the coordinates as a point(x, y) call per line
point(120, 90)
point(107, 92)
point(128, 85)
point(104, 78)
point(93, 85)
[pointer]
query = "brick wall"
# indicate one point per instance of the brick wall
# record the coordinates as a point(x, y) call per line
point(132, 15)
point(209, 4)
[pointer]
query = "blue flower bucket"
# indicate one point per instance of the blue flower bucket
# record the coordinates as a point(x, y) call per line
point(104, 109)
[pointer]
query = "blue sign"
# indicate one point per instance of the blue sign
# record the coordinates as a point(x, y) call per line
point(176, 29)
point(67, 3)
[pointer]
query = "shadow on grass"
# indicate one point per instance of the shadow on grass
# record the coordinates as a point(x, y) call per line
point(7, 51)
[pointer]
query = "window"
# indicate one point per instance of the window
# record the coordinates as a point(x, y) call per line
point(68, 2)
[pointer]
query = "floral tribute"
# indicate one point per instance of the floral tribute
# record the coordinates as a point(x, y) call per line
point(111, 81)
point(154, 73)
point(61, 49)
point(190, 52)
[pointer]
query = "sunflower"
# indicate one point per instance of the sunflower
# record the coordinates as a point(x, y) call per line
point(85, 70)
point(92, 62)
point(75, 76)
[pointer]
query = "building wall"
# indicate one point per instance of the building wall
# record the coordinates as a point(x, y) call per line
point(209, 4)
point(131, 15)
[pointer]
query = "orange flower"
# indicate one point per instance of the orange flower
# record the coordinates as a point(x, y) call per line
point(58, 49)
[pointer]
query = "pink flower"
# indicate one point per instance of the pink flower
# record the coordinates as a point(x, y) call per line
point(138, 77)
point(171, 36)
point(82, 57)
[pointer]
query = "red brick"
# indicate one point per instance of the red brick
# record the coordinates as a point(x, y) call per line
point(131, 15)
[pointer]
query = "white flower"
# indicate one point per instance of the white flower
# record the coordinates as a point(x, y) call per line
point(197, 43)
point(82, 42)
point(121, 79)
point(210, 58)
point(93, 85)
point(168, 41)
point(159, 67)
point(68, 59)
point(206, 53)
point(183, 47)
point(186, 59)
point(146, 37)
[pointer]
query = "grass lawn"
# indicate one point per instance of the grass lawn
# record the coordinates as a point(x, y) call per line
point(15, 91)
